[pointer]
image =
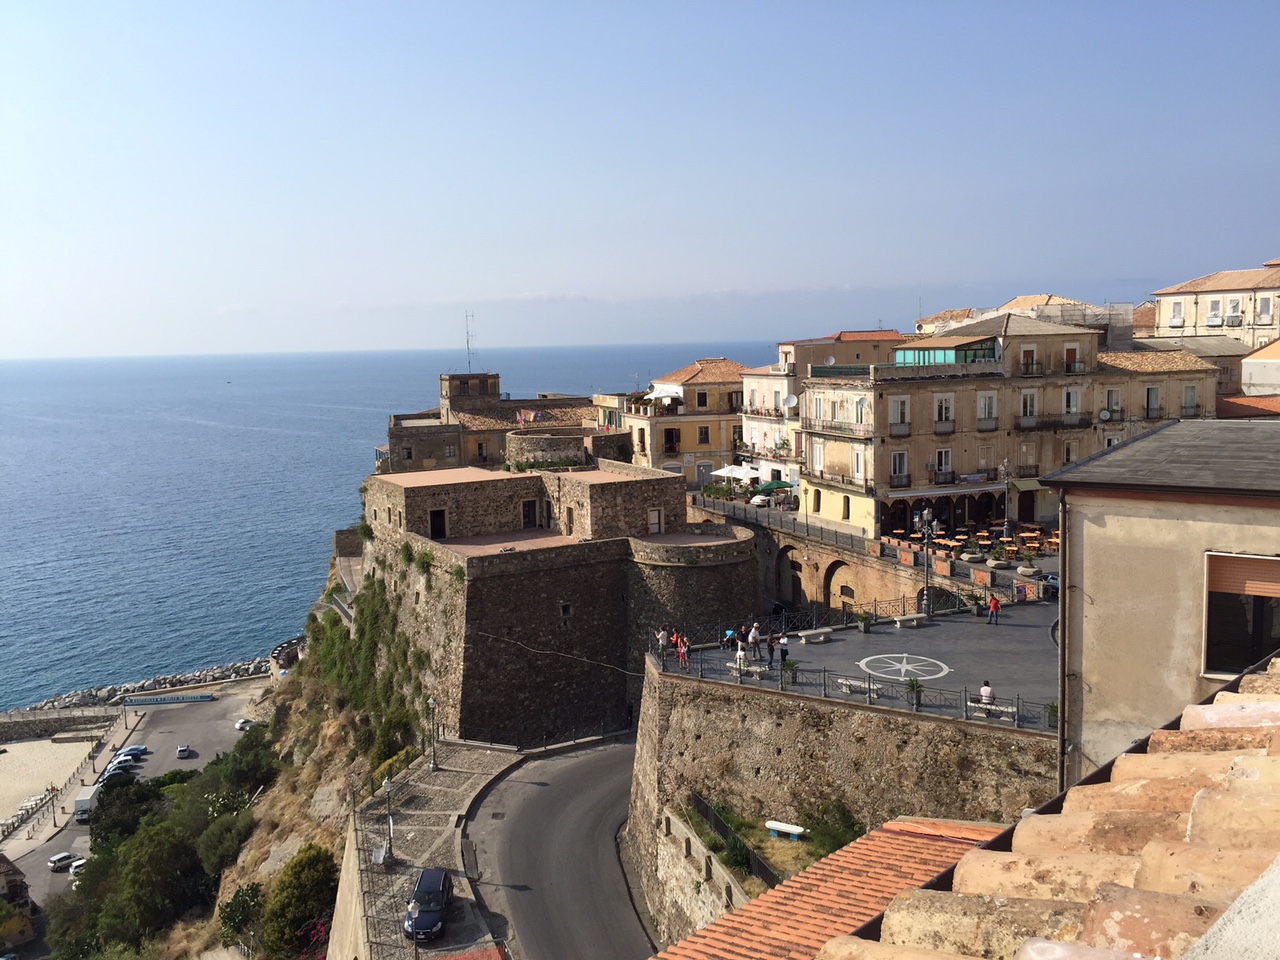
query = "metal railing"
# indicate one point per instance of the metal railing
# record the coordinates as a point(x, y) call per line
point(944, 426)
point(1032, 369)
point(758, 867)
point(899, 481)
point(900, 429)
point(1024, 470)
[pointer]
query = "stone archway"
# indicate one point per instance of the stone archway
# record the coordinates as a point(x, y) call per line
point(838, 587)
point(787, 586)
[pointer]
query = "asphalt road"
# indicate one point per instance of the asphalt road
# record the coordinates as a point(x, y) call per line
point(209, 729)
point(550, 879)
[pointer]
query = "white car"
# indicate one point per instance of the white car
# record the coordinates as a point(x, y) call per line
point(184, 751)
point(61, 861)
point(244, 723)
point(762, 500)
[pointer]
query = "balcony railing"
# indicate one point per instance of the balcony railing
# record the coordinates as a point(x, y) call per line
point(774, 413)
point(944, 426)
point(1024, 470)
point(1176, 322)
point(671, 448)
point(899, 429)
point(1235, 321)
point(1077, 367)
point(1032, 369)
point(1262, 320)
point(988, 424)
point(1153, 413)
point(899, 481)
point(1077, 419)
point(1190, 411)
point(1028, 423)
point(837, 426)
point(1213, 321)
point(1113, 414)
point(943, 477)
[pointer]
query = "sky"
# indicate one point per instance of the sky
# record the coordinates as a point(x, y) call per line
point(241, 177)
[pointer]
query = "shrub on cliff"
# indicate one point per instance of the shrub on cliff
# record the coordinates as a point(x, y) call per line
point(241, 912)
point(830, 827)
point(303, 896)
point(160, 878)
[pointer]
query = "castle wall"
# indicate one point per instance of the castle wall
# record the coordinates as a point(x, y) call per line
point(777, 755)
point(540, 445)
point(472, 507)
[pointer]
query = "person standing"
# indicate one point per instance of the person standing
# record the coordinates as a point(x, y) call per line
point(753, 638)
point(664, 641)
point(770, 645)
point(782, 648)
point(993, 610)
point(682, 651)
point(987, 695)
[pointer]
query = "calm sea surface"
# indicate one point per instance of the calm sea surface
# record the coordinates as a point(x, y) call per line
point(166, 514)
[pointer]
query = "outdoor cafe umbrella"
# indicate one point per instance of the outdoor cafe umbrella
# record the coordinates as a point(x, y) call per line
point(773, 485)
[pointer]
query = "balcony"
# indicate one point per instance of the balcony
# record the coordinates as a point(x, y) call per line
point(1024, 470)
point(899, 481)
point(1032, 369)
point(837, 426)
point(1235, 320)
point(944, 426)
point(943, 478)
point(1112, 413)
point(1028, 423)
point(1191, 411)
point(1075, 368)
point(1262, 320)
point(1213, 321)
point(899, 429)
point(988, 424)
point(1176, 322)
point(773, 413)
point(670, 448)
point(1153, 413)
point(1076, 419)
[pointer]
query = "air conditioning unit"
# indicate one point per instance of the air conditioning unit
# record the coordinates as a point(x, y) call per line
point(1104, 415)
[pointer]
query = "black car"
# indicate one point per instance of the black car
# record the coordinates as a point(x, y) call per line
point(424, 920)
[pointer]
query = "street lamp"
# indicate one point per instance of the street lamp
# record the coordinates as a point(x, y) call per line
point(431, 705)
point(386, 785)
point(1004, 475)
point(924, 524)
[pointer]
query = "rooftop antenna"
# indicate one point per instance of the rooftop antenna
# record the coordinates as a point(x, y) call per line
point(468, 328)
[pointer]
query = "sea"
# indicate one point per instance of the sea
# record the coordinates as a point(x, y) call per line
point(165, 514)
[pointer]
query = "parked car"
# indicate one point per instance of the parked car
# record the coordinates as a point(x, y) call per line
point(119, 760)
point(424, 918)
point(112, 772)
point(184, 751)
point(136, 750)
point(762, 500)
point(61, 861)
point(244, 723)
point(1049, 588)
point(77, 865)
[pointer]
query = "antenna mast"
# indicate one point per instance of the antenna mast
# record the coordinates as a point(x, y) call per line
point(468, 328)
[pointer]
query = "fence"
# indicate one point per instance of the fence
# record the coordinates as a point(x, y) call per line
point(757, 866)
point(718, 666)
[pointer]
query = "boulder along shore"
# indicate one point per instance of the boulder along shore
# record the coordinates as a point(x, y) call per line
point(113, 694)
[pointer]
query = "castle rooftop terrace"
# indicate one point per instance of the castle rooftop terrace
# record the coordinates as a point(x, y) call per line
point(442, 478)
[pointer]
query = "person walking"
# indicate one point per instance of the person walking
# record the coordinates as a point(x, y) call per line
point(770, 645)
point(993, 610)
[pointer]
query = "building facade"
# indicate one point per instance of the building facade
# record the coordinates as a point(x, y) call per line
point(1238, 303)
point(966, 423)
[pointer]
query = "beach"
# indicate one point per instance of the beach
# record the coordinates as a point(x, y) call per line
point(28, 765)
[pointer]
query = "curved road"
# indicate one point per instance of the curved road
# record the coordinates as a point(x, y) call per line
point(550, 879)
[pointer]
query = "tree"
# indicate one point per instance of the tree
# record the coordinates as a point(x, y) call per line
point(160, 878)
point(122, 804)
point(220, 844)
point(240, 912)
point(304, 894)
point(252, 763)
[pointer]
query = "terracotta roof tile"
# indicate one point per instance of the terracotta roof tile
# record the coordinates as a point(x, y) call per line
point(1263, 278)
point(1156, 361)
point(836, 895)
point(1041, 300)
point(1234, 408)
point(949, 316)
point(1144, 316)
point(707, 370)
point(851, 336)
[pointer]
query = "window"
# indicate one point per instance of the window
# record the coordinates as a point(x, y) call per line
point(817, 500)
point(844, 511)
point(1233, 307)
point(1175, 314)
point(1243, 611)
point(704, 435)
point(1111, 441)
point(986, 456)
point(736, 431)
point(986, 406)
point(1215, 308)
point(1028, 403)
point(1071, 358)
point(942, 408)
point(640, 440)
point(671, 440)
point(450, 450)
point(899, 409)
point(898, 463)
point(860, 410)
point(1113, 400)
point(1264, 310)
point(408, 453)
point(701, 398)
point(1153, 403)
point(818, 455)
point(482, 451)
point(942, 460)
point(1071, 400)
point(1070, 451)
point(777, 399)
point(464, 387)
point(857, 464)
point(752, 404)
point(1189, 406)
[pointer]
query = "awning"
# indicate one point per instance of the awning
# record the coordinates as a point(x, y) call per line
point(1029, 483)
point(665, 393)
point(932, 493)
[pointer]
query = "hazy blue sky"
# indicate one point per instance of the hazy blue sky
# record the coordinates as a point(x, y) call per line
point(227, 177)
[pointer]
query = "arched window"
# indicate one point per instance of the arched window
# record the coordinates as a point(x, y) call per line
point(817, 501)
point(844, 514)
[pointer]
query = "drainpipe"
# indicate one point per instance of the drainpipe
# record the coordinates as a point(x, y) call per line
point(1064, 606)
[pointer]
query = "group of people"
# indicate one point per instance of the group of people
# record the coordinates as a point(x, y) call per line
point(672, 639)
point(753, 645)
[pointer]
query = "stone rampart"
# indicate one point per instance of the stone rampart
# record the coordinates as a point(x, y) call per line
point(695, 887)
point(780, 756)
point(546, 445)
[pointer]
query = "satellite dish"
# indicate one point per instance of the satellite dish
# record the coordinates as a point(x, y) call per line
point(829, 361)
point(790, 401)
point(1104, 415)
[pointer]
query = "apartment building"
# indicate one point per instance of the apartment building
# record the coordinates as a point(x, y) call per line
point(690, 422)
point(966, 423)
point(771, 435)
point(1239, 303)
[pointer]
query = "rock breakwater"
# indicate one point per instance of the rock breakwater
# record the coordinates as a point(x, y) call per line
point(114, 694)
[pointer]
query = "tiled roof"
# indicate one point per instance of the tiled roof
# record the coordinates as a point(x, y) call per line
point(1235, 408)
point(1144, 316)
point(836, 895)
point(1041, 300)
point(850, 336)
point(1142, 862)
point(707, 370)
point(1210, 346)
point(1155, 361)
point(948, 316)
point(1265, 277)
point(1017, 325)
point(1268, 351)
point(504, 417)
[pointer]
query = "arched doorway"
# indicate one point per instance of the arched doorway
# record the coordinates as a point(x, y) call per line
point(838, 587)
point(788, 588)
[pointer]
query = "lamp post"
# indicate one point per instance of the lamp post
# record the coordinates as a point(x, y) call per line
point(431, 705)
point(924, 524)
point(1004, 475)
point(386, 786)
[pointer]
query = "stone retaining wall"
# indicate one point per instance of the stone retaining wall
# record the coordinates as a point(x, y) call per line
point(115, 693)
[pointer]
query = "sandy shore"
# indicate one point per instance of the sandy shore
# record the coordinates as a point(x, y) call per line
point(28, 765)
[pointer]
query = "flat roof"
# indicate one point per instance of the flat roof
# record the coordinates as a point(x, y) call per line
point(441, 478)
point(522, 541)
point(599, 476)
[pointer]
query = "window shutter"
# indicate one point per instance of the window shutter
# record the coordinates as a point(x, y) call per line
point(1254, 576)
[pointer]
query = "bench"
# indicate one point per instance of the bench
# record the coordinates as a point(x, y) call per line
point(910, 619)
point(851, 685)
point(998, 709)
point(816, 635)
point(756, 670)
point(789, 830)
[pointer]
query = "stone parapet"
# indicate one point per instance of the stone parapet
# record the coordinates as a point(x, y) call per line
point(978, 925)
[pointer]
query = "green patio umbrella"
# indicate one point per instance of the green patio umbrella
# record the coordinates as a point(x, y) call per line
point(773, 485)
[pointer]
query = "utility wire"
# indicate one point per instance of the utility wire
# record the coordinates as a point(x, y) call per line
point(557, 653)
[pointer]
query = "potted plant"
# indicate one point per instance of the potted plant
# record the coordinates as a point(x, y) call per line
point(865, 620)
point(915, 688)
point(971, 552)
point(1027, 567)
point(998, 559)
point(978, 602)
point(792, 669)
